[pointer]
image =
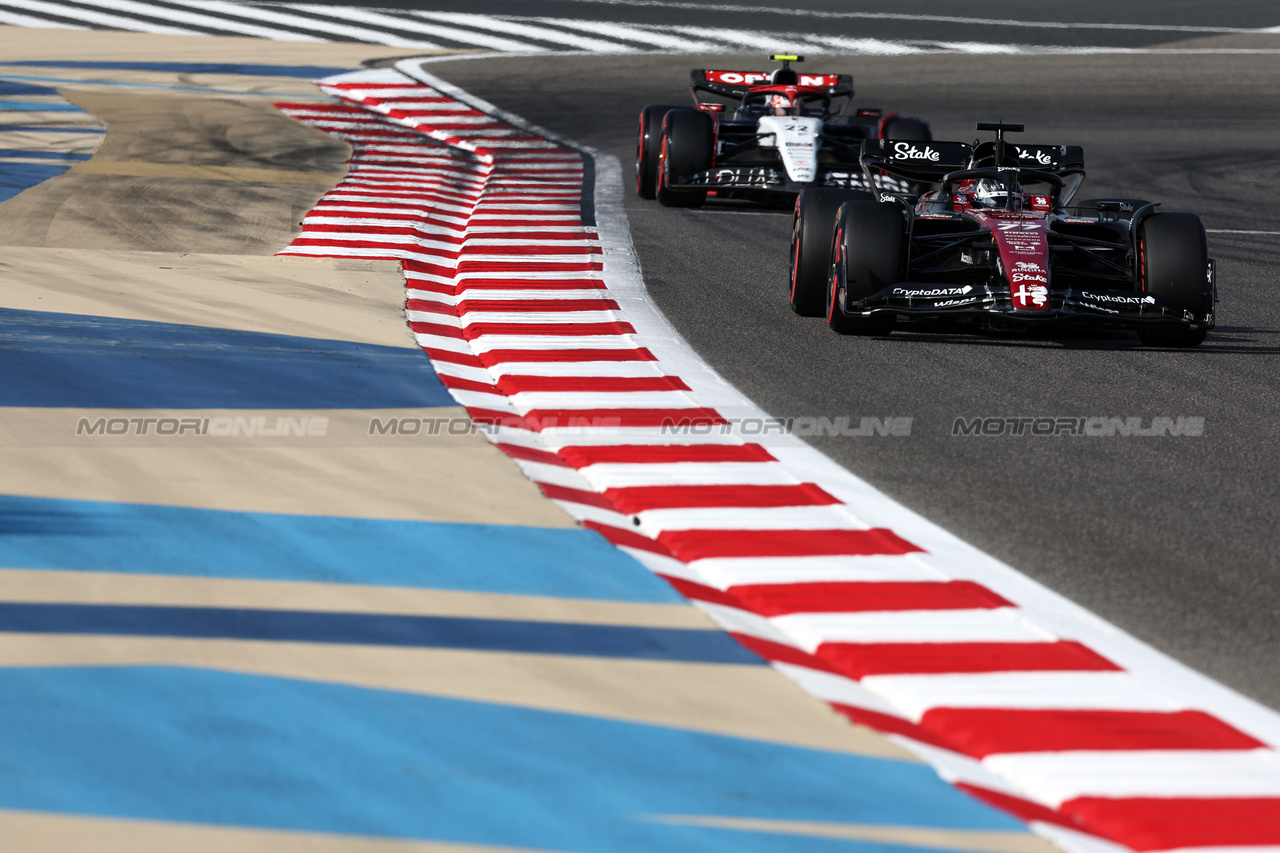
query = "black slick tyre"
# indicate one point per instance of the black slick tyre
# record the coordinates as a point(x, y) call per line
point(688, 144)
point(813, 224)
point(867, 254)
point(649, 147)
point(1173, 263)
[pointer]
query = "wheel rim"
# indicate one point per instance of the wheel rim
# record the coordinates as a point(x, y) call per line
point(1142, 264)
point(640, 156)
point(833, 275)
point(660, 183)
point(796, 248)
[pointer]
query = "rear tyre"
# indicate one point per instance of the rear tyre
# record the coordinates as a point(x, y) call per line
point(902, 127)
point(1173, 263)
point(811, 229)
point(688, 143)
point(867, 256)
point(649, 147)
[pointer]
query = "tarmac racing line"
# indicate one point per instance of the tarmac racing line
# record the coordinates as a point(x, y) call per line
point(265, 585)
point(523, 288)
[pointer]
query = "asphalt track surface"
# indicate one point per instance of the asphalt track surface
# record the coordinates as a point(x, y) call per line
point(1174, 539)
point(1060, 22)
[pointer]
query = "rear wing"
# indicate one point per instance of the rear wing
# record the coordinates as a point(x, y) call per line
point(916, 161)
point(928, 162)
point(1046, 158)
point(735, 84)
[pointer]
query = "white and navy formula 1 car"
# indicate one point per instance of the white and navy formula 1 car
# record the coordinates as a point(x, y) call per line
point(989, 235)
point(771, 134)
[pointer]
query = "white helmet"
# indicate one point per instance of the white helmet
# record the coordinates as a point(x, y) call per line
point(781, 105)
point(990, 193)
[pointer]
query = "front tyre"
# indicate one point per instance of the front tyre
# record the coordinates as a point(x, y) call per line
point(811, 230)
point(688, 144)
point(649, 147)
point(1173, 263)
point(867, 256)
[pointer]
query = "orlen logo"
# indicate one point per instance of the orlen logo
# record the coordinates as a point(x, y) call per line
point(737, 78)
point(752, 78)
point(907, 151)
point(1031, 296)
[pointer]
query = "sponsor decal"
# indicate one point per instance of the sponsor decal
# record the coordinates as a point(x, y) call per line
point(1039, 157)
point(1029, 276)
point(1119, 300)
point(932, 291)
point(951, 303)
point(799, 144)
point(908, 151)
point(1028, 266)
point(755, 78)
point(1031, 296)
point(738, 78)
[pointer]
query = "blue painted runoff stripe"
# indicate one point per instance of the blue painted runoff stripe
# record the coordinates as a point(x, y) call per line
point(18, 87)
point(687, 645)
point(208, 747)
point(45, 128)
point(304, 71)
point(105, 362)
point(99, 536)
point(39, 106)
point(42, 155)
point(14, 178)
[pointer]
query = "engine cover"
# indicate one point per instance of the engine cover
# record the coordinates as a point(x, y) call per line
point(797, 139)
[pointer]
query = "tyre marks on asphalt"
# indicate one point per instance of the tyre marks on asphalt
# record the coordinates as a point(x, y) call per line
point(42, 135)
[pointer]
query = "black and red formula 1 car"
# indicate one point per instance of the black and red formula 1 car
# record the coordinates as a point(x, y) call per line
point(990, 236)
point(776, 135)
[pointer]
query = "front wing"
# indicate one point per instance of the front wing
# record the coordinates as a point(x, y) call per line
point(992, 305)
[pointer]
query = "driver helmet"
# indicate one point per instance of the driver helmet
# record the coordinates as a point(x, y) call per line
point(990, 193)
point(780, 105)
